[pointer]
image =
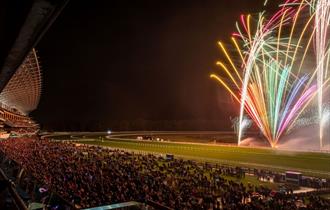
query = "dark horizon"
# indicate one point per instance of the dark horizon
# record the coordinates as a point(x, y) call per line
point(110, 62)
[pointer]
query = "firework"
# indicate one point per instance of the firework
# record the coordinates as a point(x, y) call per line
point(322, 21)
point(274, 80)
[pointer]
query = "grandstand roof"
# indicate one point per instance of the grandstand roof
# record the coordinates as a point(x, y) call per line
point(23, 90)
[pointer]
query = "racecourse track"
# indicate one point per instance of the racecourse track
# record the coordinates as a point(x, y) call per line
point(191, 145)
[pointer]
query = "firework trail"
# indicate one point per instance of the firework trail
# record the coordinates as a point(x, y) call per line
point(270, 82)
point(321, 39)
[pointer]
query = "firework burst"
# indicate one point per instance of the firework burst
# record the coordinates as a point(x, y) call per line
point(275, 79)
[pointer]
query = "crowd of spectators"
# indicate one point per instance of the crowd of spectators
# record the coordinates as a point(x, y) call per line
point(90, 176)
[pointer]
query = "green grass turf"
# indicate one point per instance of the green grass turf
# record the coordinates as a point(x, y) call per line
point(307, 162)
point(199, 138)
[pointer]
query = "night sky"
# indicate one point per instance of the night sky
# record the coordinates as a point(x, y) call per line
point(108, 60)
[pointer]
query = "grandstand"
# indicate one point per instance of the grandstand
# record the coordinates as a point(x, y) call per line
point(22, 25)
point(21, 95)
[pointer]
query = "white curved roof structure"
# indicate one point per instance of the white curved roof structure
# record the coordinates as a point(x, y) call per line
point(22, 92)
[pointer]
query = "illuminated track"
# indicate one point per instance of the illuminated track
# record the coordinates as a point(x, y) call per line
point(311, 163)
